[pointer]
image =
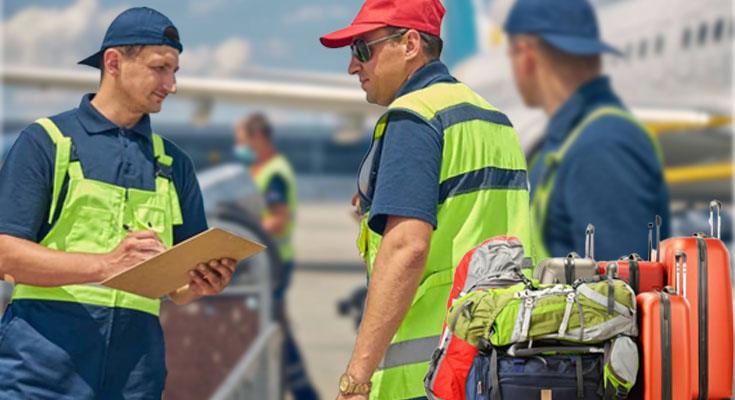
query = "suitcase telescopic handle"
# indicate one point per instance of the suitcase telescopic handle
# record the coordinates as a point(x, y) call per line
point(589, 242)
point(714, 205)
point(680, 262)
point(650, 241)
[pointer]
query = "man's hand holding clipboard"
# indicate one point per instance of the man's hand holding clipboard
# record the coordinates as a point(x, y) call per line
point(206, 279)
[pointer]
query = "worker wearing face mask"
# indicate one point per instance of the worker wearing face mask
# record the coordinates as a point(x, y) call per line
point(275, 180)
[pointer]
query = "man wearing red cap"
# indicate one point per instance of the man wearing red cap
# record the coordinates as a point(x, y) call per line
point(444, 172)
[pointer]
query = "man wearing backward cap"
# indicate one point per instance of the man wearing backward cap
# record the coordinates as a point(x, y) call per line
point(84, 195)
point(444, 172)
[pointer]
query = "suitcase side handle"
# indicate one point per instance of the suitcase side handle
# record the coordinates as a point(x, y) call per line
point(680, 262)
point(715, 205)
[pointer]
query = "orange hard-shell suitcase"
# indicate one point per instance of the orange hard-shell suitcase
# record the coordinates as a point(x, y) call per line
point(642, 276)
point(663, 320)
point(709, 294)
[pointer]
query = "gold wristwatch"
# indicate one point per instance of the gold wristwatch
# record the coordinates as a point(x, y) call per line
point(348, 385)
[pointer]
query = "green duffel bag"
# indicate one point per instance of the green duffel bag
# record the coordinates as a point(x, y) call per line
point(589, 311)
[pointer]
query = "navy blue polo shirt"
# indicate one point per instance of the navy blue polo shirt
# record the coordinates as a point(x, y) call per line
point(610, 177)
point(409, 162)
point(107, 153)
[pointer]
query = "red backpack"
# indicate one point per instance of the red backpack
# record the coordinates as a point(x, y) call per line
point(494, 263)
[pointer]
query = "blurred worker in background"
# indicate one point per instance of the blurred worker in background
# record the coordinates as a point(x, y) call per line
point(445, 171)
point(276, 182)
point(597, 164)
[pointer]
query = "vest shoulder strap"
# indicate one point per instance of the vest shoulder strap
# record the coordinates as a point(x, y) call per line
point(278, 165)
point(159, 151)
point(602, 112)
point(65, 161)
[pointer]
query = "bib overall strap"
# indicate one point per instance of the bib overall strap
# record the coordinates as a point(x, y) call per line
point(66, 161)
point(164, 178)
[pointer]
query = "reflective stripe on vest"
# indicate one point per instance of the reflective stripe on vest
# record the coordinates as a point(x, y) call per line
point(409, 352)
point(278, 165)
point(483, 193)
point(542, 194)
point(93, 220)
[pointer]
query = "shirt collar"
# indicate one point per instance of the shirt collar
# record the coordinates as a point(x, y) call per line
point(94, 122)
point(588, 97)
point(431, 73)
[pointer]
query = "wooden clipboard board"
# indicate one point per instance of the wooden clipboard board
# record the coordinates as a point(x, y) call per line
point(168, 271)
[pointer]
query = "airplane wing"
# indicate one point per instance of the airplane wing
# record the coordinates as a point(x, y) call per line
point(321, 94)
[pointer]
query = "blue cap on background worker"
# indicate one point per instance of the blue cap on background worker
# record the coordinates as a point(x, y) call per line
point(568, 25)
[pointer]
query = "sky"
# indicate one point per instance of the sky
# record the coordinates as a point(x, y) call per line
point(221, 38)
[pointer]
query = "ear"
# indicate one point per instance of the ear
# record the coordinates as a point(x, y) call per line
point(111, 59)
point(412, 39)
point(529, 57)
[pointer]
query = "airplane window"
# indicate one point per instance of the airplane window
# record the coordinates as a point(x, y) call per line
point(642, 48)
point(719, 27)
point(686, 38)
point(702, 37)
point(659, 44)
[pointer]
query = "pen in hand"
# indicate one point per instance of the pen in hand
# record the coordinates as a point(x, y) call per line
point(129, 229)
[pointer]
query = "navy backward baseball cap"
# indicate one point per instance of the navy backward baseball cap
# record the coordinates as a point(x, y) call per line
point(137, 26)
point(568, 25)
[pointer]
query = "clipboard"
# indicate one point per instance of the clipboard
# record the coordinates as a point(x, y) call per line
point(168, 271)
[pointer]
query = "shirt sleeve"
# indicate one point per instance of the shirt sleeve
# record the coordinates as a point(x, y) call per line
point(190, 196)
point(615, 182)
point(407, 183)
point(26, 181)
point(276, 193)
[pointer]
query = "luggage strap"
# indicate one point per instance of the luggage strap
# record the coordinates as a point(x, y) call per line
point(598, 298)
point(580, 377)
point(494, 375)
point(515, 351)
point(703, 323)
point(665, 321)
point(633, 275)
point(571, 298)
point(613, 393)
point(569, 269)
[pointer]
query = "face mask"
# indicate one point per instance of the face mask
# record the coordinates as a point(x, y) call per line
point(245, 155)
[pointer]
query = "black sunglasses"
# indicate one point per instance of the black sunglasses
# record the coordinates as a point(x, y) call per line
point(361, 49)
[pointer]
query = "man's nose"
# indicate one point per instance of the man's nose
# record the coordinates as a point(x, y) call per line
point(170, 84)
point(354, 66)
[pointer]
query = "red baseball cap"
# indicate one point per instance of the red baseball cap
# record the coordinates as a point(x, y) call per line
point(422, 15)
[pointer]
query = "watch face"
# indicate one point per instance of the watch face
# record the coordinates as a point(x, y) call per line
point(344, 383)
